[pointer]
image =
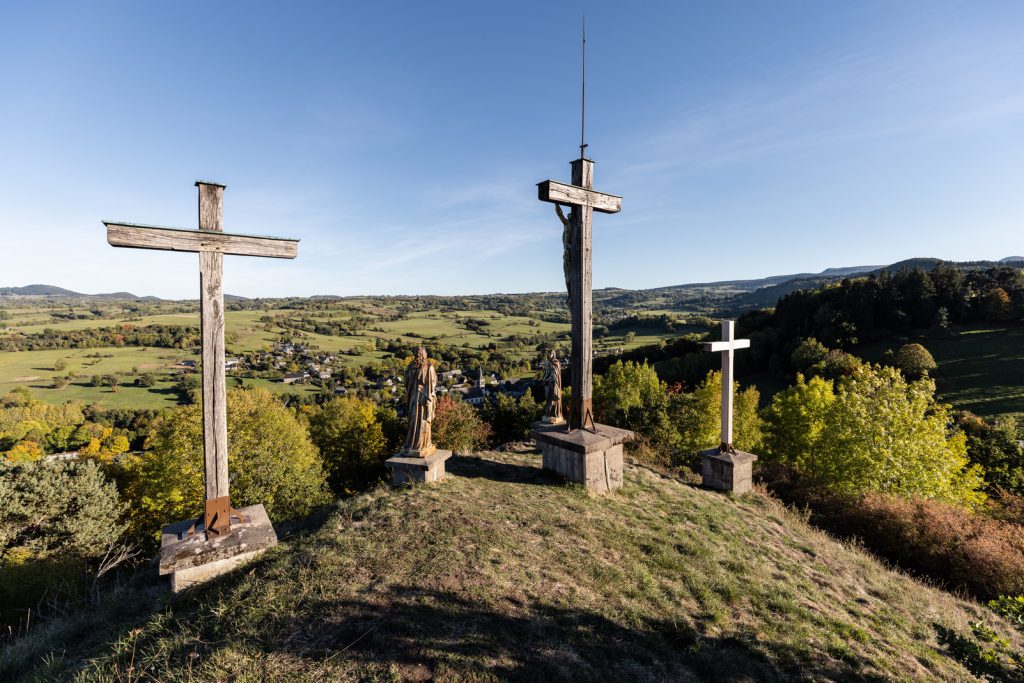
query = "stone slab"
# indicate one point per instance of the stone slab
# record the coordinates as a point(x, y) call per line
point(191, 559)
point(731, 472)
point(580, 440)
point(412, 470)
point(592, 459)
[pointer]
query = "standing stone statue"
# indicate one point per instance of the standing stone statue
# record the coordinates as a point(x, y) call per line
point(553, 389)
point(420, 462)
point(420, 384)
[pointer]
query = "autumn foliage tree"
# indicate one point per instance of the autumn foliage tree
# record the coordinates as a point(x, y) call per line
point(458, 427)
point(351, 440)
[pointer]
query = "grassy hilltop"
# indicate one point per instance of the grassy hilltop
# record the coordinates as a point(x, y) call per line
point(502, 572)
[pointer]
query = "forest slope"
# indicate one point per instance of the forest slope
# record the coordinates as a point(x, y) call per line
point(502, 572)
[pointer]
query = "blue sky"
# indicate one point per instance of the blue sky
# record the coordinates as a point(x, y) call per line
point(402, 141)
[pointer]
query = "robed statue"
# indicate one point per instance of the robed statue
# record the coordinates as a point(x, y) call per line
point(553, 389)
point(420, 384)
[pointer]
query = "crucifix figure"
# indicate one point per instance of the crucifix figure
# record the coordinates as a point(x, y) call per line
point(578, 239)
point(727, 347)
point(211, 243)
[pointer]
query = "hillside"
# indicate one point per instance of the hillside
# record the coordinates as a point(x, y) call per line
point(502, 572)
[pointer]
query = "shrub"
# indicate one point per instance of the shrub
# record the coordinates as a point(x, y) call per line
point(873, 431)
point(946, 542)
point(698, 417)
point(458, 427)
point(510, 419)
point(914, 360)
point(270, 458)
point(351, 441)
point(54, 517)
point(808, 353)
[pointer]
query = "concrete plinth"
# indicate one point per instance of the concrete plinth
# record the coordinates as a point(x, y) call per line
point(591, 459)
point(412, 470)
point(192, 559)
point(732, 472)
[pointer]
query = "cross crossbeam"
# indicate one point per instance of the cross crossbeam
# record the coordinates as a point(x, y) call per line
point(211, 243)
point(727, 348)
point(584, 201)
point(179, 239)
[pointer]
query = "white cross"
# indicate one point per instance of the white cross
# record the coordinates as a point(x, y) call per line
point(727, 347)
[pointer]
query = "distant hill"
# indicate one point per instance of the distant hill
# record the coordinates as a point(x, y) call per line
point(61, 293)
point(502, 572)
point(1011, 259)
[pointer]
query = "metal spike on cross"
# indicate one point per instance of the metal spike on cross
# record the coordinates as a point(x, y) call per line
point(727, 348)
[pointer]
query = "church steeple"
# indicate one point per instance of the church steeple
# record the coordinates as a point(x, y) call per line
point(480, 378)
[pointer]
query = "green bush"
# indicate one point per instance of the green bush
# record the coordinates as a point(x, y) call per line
point(914, 360)
point(351, 441)
point(873, 431)
point(458, 427)
point(270, 458)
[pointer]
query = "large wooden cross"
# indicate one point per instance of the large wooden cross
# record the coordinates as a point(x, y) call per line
point(211, 242)
point(727, 347)
point(579, 244)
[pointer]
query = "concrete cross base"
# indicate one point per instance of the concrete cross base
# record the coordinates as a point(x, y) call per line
point(413, 470)
point(732, 472)
point(192, 559)
point(594, 460)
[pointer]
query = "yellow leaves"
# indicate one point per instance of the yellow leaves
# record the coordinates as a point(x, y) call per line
point(24, 451)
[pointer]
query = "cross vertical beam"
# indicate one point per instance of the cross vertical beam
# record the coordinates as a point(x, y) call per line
point(581, 409)
point(215, 415)
point(727, 347)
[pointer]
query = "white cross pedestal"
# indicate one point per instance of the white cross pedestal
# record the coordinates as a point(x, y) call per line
point(581, 450)
point(196, 550)
point(724, 468)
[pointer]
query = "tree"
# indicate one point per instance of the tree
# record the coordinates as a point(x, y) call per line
point(995, 446)
point(351, 441)
point(873, 431)
point(914, 360)
point(630, 395)
point(510, 419)
point(997, 305)
point(146, 379)
point(458, 427)
point(270, 457)
point(808, 354)
point(698, 417)
point(629, 337)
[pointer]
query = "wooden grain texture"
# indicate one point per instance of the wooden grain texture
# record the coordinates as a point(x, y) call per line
point(577, 195)
point(582, 300)
point(176, 239)
point(211, 206)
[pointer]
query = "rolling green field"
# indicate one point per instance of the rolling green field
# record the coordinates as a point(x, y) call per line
point(980, 369)
point(515, 336)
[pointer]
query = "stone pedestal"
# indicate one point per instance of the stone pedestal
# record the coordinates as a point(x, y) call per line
point(731, 472)
point(192, 559)
point(594, 460)
point(412, 470)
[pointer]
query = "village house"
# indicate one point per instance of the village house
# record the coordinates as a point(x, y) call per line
point(295, 377)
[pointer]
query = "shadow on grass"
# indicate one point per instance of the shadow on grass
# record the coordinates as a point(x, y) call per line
point(422, 633)
point(473, 467)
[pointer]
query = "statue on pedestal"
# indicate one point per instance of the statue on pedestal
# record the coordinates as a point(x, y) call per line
point(420, 384)
point(553, 389)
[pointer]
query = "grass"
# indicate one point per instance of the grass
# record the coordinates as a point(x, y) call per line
point(502, 572)
point(980, 369)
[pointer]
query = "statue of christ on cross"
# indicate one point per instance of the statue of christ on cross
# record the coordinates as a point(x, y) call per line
point(211, 242)
point(727, 347)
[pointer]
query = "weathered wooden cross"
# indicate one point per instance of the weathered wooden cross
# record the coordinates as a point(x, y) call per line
point(211, 243)
point(727, 347)
point(584, 201)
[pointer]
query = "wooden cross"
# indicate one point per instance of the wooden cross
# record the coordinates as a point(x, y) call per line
point(211, 242)
point(727, 347)
point(584, 201)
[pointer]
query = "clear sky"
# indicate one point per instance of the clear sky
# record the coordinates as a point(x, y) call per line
point(402, 141)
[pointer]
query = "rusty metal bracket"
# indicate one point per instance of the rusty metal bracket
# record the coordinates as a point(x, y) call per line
point(217, 518)
point(726, 448)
